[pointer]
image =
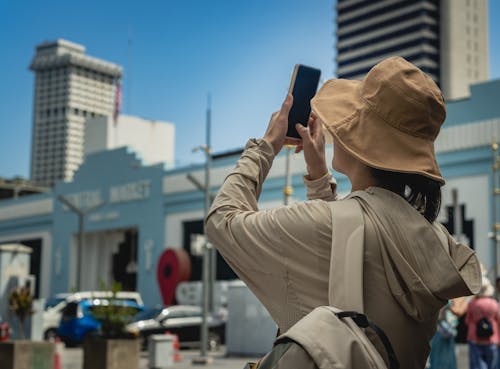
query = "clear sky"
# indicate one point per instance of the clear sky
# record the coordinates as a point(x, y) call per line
point(241, 52)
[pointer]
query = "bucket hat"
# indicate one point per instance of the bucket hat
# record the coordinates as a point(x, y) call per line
point(389, 120)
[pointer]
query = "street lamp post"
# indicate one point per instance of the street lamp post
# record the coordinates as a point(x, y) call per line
point(81, 213)
point(208, 201)
point(287, 190)
point(209, 254)
point(496, 225)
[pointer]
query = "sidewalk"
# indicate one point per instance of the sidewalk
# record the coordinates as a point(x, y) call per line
point(73, 359)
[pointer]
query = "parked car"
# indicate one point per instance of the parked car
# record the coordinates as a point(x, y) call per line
point(56, 299)
point(56, 304)
point(182, 320)
point(78, 321)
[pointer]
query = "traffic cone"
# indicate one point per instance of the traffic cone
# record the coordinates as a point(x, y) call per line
point(57, 353)
point(177, 347)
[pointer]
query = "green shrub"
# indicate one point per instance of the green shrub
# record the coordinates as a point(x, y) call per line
point(21, 304)
point(114, 315)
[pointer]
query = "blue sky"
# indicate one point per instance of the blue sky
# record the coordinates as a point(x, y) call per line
point(241, 52)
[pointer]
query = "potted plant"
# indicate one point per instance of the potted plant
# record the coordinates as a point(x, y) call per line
point(112, 347)
point(24, 353)
point(21, 304)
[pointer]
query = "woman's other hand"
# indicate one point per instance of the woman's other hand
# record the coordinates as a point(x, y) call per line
point(313, 144)
point(276, 131)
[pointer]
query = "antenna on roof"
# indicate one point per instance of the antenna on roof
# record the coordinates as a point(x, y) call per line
point(129, 73)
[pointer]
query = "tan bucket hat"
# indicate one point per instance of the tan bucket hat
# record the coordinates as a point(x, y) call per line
point(389, 120)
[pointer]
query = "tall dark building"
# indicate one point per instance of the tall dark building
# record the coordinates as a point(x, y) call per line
point(447, 39)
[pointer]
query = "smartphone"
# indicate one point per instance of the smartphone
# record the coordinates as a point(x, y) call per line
point(303, 87)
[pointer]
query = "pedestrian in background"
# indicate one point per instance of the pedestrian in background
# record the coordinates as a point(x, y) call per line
point(482, 328)
point(443, 354)
point(383, 130)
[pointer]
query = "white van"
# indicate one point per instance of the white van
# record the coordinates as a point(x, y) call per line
point(52, 314)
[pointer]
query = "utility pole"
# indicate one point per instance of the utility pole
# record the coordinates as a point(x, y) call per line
point(496, 226)
point(208, 265)
point(208, 202)
point(81, 213)
point(287, 190)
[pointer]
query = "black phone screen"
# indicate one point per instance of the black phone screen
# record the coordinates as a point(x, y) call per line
point(303, 87)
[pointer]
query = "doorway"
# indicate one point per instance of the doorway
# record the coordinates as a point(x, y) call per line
point(108, 256)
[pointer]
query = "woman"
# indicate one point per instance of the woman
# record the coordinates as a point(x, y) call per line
point(483, 352)
point(443, 343)
point(383, 131)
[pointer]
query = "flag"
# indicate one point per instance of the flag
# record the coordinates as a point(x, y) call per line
point(118, 100)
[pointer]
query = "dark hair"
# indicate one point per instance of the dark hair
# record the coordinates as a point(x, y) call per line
point(423, 193)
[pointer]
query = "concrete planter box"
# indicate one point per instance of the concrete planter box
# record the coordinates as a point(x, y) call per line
point(24, 354)
point(100, 353)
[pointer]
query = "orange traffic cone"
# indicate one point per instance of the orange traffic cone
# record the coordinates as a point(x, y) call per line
point(57, 353)
point(177, 347)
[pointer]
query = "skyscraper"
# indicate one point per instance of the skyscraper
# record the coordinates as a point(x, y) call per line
point(69, 88)
point(446, 38)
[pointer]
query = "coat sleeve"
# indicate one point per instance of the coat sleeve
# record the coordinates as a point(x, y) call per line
point(324, 188)
point(281, 254)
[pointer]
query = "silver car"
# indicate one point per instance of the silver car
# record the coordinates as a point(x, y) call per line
point(182, 320)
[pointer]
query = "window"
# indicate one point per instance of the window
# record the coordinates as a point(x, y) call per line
point(70, 311)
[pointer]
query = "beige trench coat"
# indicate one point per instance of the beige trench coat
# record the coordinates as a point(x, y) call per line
point(284, 255)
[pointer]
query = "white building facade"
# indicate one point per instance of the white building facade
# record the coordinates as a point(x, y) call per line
point(152, 140)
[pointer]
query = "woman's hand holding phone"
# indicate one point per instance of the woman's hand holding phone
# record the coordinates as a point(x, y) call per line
point(313, 145)
point(278, 125)
point(312, 142)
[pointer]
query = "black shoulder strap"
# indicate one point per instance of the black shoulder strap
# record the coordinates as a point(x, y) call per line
point(362, 321)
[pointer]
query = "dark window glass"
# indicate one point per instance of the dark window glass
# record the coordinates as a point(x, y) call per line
point(419, 42)
point(373, 27)
point(387, 37)
point(70, 311)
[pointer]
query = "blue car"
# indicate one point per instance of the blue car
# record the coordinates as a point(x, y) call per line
point(78, 320)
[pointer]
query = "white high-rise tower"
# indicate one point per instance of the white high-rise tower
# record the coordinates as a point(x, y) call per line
point(70, 87)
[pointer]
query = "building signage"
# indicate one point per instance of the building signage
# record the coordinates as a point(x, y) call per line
point(85, 200)
point(99, 217)
point(133, 191)
point(130, 191)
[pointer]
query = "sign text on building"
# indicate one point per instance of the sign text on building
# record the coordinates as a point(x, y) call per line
point(130, 191)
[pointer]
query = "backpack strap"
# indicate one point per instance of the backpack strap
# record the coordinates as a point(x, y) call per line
point(362, 321)
point(346, 268)
point(346, 261)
